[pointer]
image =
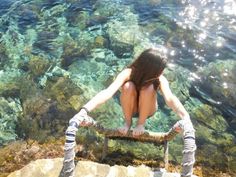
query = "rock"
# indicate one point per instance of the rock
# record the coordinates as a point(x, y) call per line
point(52, 168)
point(40, 168)
point(123, 39)
point(232, 159)
point(217, 88)
point(79, 19)
point(38, 65)
point(105, 9)
point(220, 79)
point(9, 86)
point(213, 138)
point(10, 110)
point(47, 112)
point(88, 168)
point(27, 17)
point(64, 91)
point(32, 151)
point(3, 56)
point(71, 52)
point(45, 40)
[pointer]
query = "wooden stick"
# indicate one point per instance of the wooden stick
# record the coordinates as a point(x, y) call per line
point(153, 137)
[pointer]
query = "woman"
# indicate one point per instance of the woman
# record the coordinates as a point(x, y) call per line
point(139, 84)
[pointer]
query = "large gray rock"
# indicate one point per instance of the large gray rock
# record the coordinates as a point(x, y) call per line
point(52, 168)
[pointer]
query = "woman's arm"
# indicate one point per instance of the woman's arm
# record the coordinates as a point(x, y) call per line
point(107, 93)
point(171, 100)
point(184, 125)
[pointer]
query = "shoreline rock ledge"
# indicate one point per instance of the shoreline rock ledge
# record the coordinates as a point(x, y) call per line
point(52, 168)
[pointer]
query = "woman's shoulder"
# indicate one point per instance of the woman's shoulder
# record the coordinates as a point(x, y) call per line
point(164, 85)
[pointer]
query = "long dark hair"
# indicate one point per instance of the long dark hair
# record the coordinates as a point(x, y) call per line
point(147, 68)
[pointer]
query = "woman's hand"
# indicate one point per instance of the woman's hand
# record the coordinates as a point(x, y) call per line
point(83, 119)
point(184, 125)
point(82, 113)
point(177, 127)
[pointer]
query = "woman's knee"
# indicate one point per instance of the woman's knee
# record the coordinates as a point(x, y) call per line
point(129, 88)
point(148, 90)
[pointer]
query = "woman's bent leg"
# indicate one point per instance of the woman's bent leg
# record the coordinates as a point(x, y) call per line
point(128, 101)
point(146, 107)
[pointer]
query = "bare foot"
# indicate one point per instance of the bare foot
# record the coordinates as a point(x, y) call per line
point(124, 130)
point(139, 130)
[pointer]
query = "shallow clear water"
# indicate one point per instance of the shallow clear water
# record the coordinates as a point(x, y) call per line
point(79, 36)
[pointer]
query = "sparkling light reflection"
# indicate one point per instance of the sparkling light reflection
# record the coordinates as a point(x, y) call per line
point(194, 77)
point(211, 22)
point(230, 7)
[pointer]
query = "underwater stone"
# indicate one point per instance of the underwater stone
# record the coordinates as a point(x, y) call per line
point(10, 111)
point(221, 79)
point(3, 56)
point(71, 52)
point(10, 82)
point(45, 40)
point(100, 41)
point(78, 19)
point(217, 88)
point(58, 10)
point(104, 9)
point(27, 17)
point(207, 115)
point(63, 89)
point(213, 154)
point(123, 39)
point(80, 47)
point(212, 135)
point(45, 112)
point(55, 72)
point(39, 120)
point(231, 160)
point(38, 65)
point(27, 87)
point(186, 34)
point(159, 31)
point(6, 4)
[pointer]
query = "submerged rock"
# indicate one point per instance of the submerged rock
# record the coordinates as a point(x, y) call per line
point(10, 110)
point(38, 65)
point(52, 168)
point(217, 88)
point(71, 53)
point(9, 82)
point(3, 56)
point(123, 39)
point(45, 40)
point(220, 76)
point(213, 138)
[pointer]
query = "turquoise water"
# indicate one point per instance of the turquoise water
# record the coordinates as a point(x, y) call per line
point(56, 54)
